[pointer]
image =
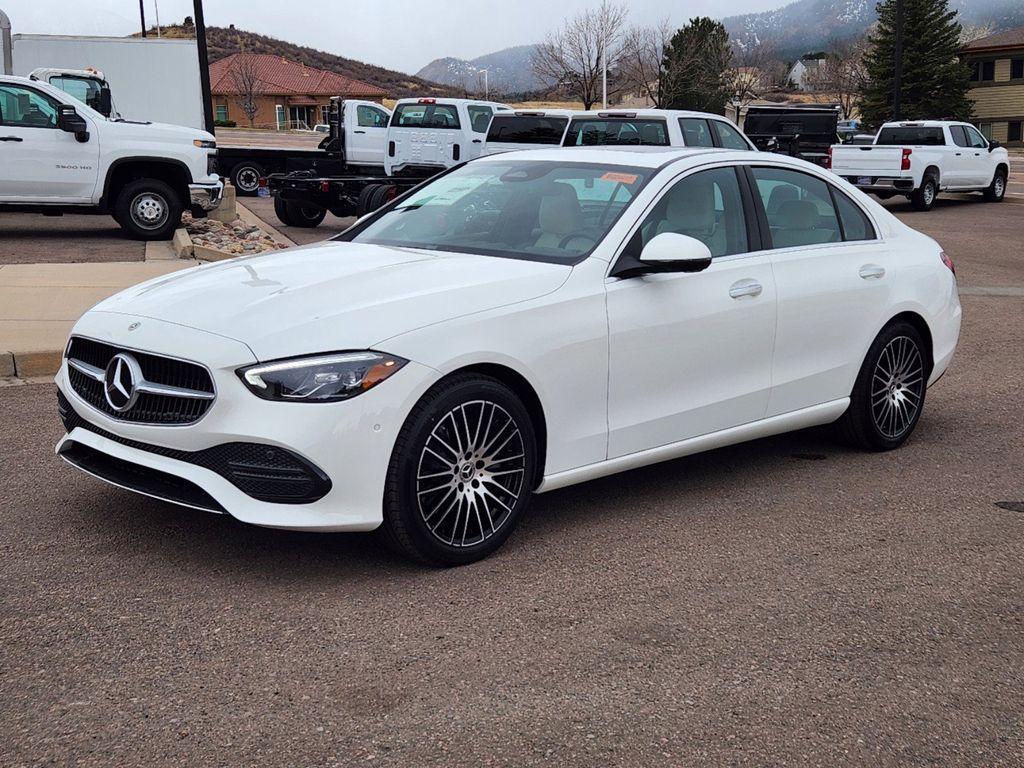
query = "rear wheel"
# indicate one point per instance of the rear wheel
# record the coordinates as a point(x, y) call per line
point(461, 474)
point(365, 202)
point(246, 178)
point(148, 209)
point(281, 209)
point(888, 396)
point(924, 196)
point(997, 189)
point(305, 216)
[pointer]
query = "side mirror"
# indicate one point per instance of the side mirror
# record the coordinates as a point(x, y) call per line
point(667, 252)
point(69, 120)
point(993, 145)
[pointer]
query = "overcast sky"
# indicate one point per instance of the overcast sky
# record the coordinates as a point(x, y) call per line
point(398, 34)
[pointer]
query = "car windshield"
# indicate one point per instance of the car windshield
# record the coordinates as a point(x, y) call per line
point(538, 211)
point(589, 132)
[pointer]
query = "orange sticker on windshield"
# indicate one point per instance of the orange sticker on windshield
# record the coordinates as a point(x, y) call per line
point(622, 178)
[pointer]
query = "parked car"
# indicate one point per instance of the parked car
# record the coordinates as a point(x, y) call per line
point(526, 129)
point(58, 156)
point(653, 128)
point(324, 128)
point(521, 323)
point(428, 135)
point(919, 159)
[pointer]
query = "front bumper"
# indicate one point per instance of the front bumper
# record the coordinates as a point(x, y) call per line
point(206, 196)
point(350, 442)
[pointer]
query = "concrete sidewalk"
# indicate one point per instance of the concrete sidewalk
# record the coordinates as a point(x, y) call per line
point(40, 302)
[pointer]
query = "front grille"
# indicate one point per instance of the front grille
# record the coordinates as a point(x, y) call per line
point(264, 472)
point(149, 408)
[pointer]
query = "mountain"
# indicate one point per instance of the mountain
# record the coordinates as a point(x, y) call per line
point(508, 72)
point(811, 25)
point(224, 41)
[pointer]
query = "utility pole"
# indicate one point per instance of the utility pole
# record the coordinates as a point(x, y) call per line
point(142, 16)
point(897, 62)
point(204, 65)
point(156, 11)
point(604, 69)
point(487, 86)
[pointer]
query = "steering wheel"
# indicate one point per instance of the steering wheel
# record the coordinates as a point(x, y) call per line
point(578, 234)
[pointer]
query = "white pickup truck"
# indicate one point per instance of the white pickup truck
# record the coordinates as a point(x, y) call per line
point(428, 135)
point(58, 156)
point(654, 128)
point(921, 158)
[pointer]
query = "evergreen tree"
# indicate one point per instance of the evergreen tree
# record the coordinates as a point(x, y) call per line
point(695, 67)
point(934, 82)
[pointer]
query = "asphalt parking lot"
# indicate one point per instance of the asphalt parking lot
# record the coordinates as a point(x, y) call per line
point(35, 239)
point(785, 602)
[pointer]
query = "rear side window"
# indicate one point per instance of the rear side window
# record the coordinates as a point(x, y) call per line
point(696, 132)
point(915, 135)
point(856, 226)
point(479, 117)
point(959, 135)
point(798, 206)
point(425, 116)
point(728, 136)
point(522, 129)
point(586, 132)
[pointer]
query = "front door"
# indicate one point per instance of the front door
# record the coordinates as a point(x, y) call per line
point(691, 354)
point(40, 163)
point(365, 143)
point(980, 169)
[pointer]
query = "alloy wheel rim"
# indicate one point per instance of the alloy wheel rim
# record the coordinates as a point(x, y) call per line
point(247, 179)
point(929, 193)
point(149, 210)
point(897, 387)
point(471, 473)
point(1000, 186)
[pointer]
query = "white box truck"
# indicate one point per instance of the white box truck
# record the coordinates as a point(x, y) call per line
point(151, 79)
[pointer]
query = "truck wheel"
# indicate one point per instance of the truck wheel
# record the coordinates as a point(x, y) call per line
point(924, 196)
point(365, 203)
point(148, 209)
point(246, 178)
point(996, 190)
point(384, 195)
point(281, 209)
point(305, 216)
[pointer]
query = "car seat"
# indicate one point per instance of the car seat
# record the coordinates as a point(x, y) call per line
point(796, 223)
point(559, 215)
point(690, 210)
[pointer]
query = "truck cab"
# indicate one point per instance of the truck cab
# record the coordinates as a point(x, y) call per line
point(433, 134)
point(654, 128)
point(526, 129)
point(87, 85)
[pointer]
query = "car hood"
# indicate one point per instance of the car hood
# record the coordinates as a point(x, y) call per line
point(153, 131)
point(333, 296)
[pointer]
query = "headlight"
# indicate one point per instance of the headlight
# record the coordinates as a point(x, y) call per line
point(204, 143)
point(320, 379)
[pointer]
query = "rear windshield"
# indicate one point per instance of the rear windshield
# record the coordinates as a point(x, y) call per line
point(521, 129)
point(587, 132)
point(911, 135)
point(425, 116)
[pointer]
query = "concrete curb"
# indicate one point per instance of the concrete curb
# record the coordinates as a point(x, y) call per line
point(182, 244)
point(7, 368)
point(28, 365)
point(202, 253)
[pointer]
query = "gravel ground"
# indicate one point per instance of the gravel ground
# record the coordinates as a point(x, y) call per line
point(32, 239)
point(784, 602)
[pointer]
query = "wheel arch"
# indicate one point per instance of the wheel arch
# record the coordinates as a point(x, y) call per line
point(921, 325)
point(932, 170)
point(127, 169)
point(1003, 168)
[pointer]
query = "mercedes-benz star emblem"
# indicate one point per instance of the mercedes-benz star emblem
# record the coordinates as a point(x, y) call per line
point(120, 382)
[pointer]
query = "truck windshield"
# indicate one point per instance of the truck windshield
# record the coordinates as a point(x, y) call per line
point(527, 129)
point(547, 211)
point(84, 89)
point(425, 116)
point(588, 132)
point(915, 135)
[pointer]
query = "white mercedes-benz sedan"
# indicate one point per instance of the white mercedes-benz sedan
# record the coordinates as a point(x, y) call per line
point(520, 323)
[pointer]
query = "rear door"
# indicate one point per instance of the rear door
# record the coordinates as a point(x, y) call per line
point(367, 137)
point(39, 162)
point(424, 132)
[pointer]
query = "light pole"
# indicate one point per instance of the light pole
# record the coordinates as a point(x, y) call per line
point(487, 85)
point(142, 16)
point(204, 65)
point(604, 70)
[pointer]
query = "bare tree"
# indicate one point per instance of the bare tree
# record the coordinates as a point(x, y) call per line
point(245, 79)
point(749, 76)
point(971, 32)
point(571, 57)
point(642, 53)
point(840, 76)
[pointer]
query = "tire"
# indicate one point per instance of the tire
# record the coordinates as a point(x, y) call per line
point(246, 178)
point(997, 189)
point(924, 196)
point(281, 210)
point(305, 216)
point(888, 396)
point(384, 195)
point(885, 195)
point(366, 195)
point(148, 209)
point(456, 428)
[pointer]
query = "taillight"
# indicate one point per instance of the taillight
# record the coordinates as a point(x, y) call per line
point(905, 162)
point(947, 261)
point(325, 186)
point(827, 162)
point(263, 181)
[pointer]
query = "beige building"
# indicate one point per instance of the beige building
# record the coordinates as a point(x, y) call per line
point(997, 84)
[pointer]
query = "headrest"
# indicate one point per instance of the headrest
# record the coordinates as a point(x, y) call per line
point(691, 209)
point(781, 194)
point(560, 211)
point(797, 214)
point(650, 134)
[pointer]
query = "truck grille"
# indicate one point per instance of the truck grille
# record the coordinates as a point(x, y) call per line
point(171, 391)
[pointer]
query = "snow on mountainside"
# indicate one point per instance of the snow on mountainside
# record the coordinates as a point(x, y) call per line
point(508, 71)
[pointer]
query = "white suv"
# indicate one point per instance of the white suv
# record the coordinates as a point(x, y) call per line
point(58, 155)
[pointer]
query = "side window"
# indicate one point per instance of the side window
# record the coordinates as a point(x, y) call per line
point(799, 208)
point(368, 117)
point(696, 132)
point(976, 139)
point(728, 136)
point(25, 108)
point(856, 226)
point(707, 206)
point(959, 135)
point(479, 117)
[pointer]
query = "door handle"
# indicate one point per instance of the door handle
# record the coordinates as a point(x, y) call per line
point(11, 138)
point(358, 131)
point(872, 272)
point(746, 287)
point(476, 141)
point(958, 154)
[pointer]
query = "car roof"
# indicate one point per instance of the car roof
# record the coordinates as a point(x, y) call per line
point(443, 100)
point(620, 112)
point(921, 123)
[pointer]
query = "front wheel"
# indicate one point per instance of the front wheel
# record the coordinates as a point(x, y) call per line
point(924, 196)
point(997, 189)
point(461, 473)
point(889, 393)
point(148, 209)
